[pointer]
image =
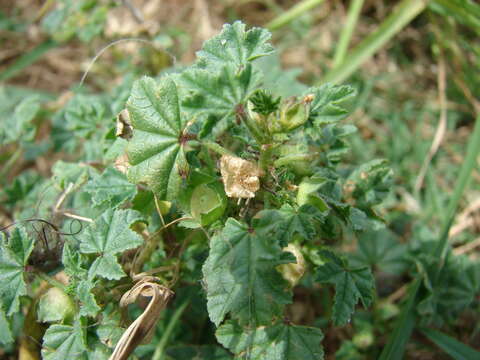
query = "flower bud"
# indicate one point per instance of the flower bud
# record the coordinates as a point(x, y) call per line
point(293, 114)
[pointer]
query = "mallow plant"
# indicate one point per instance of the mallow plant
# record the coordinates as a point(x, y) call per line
point(206, 188)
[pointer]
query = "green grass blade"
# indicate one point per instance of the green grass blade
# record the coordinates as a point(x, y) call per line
point(395, 348)
point(405, 12)
point(293, 13)
point(451, 346)
point(160, 349)
point(473, 150)
point(465, 11)
point(27, 59)
point(352, 17)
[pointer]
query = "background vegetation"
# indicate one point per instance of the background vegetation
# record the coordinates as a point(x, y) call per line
point(66, 72)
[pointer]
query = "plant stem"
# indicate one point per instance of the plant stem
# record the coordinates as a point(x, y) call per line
point(352, 17)
point(27, 59)
point(216, 147)
point(293, 13)
point(51, 281)
point(13, 159)
point(288, 159)
point(266, 153)
point(159, 350)
point(405, 12)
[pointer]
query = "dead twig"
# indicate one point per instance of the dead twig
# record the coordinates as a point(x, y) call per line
point(137, 14)
point(442, 123)
point(465, 219)
point(467, 247)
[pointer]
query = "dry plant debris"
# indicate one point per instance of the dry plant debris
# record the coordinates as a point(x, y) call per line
point(240, 177)
point(143, 328)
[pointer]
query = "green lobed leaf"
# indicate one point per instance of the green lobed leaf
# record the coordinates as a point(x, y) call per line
point(215, 95)
point(108, 236)
point(328, 103)
point(203, 352)
point(65, 173)
point(84, 115)
point(287, 221)
point(281, 341)
point(155, 150)
point(5, 332)
point(20, 187)
point(72, 261)
point(234, 45)
point(381, 249)
point(65, 342)
point(281, 82)
point(82, 18)
point(455, 288)
point(372, 182)
point(19, 126)
point(241, 277)
point(109, 331)
point(223, 76)
point(110, 189)
point(14, 253)
point(88, 305)
point(98, 351)
point(351, 285)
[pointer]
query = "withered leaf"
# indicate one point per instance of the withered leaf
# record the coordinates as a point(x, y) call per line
point(143, 328)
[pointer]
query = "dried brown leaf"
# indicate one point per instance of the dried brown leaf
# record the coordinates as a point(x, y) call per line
point(143, 328)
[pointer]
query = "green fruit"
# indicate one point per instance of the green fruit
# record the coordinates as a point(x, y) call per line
point(55, 305)
point(363, 339)
point(293, 114)
point(208, 202)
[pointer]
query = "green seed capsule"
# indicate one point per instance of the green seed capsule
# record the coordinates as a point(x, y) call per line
point(293, 114)
point(55, 305)
point(208, 202)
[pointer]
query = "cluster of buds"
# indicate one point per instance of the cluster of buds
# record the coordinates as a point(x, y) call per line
point(286, 116)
